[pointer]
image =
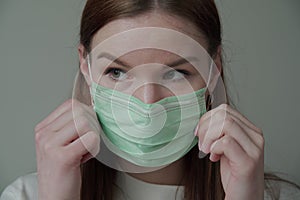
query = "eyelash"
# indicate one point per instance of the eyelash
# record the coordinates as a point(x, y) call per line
point(111, 69)
point(184, 72)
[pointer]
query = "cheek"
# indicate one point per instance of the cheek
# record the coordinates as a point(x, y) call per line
point(197, 82)
point(189, 85)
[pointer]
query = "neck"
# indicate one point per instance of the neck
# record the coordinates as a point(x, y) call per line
point(169, 175)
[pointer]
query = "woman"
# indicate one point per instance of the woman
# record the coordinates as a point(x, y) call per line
point(66, 168)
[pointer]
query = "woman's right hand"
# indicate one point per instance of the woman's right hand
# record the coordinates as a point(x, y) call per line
point(66, 138)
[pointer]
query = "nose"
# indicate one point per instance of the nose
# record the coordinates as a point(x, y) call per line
point(151, 93)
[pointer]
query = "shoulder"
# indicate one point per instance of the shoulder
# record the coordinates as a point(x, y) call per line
point(281, 190)
point(23, 188)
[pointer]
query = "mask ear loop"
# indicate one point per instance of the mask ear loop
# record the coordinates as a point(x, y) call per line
point(91, 79)
point(209, 97)
point(209, 100)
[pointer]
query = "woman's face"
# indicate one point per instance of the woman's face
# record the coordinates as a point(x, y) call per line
point(148, 74)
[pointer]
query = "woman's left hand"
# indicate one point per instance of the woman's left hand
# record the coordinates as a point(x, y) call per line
point(239, 145)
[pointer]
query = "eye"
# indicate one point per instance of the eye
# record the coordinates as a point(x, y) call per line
point(175, 75)
point(116, 74)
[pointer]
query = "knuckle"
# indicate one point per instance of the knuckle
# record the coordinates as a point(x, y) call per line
point(227, 141)
point(261, 141)
point(204, 117)
point(37, 127)
point(228, 121)
point(223, 106)
point(256, 154)
point(68, 103)
point(38, 137)
point(259, 130)
point(220, 114)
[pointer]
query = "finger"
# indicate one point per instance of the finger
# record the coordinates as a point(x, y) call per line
point(87, 108)
point(209, 113)
point(214, 157)
point(59, 122)
point(229, 147)
point(87, 143)
point(255, 137)
point(72, 104)
point(53, 115)
point(234, 113)
point(222, 117)
point(71, 115)
point(66, 118)
point(73, 130)
point(227, 127)
point(86, 157)
point(206, 122)
point(242, 118)
point(88, 111)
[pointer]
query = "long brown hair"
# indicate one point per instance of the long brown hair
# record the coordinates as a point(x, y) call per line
point(204, 176)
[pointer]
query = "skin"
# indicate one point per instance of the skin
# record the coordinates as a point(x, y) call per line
point(223, 132)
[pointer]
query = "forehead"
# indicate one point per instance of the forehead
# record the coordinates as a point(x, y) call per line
point(152, 19)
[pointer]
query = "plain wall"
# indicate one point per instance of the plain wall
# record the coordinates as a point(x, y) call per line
point(38, 59)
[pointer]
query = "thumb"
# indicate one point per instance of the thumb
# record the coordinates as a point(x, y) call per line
point(86, 157)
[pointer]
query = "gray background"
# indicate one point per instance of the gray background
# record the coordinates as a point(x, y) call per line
point(38, 54)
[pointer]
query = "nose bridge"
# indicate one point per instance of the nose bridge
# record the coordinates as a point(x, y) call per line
point(151, 93)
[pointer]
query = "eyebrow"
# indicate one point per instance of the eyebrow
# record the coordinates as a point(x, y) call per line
point(122, 63)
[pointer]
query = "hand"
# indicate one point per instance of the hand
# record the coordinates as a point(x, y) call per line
point(64, 140)
point(239, 145)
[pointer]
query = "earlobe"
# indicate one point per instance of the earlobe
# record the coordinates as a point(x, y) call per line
point(83, 63)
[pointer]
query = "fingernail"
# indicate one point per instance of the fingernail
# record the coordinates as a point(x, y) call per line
point(199, 145)
point(204, 148)
point(201, 154)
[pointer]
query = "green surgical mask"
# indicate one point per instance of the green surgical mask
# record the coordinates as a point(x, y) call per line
point(148, 135)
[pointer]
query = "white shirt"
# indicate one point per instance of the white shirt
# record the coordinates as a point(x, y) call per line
point(25, 188)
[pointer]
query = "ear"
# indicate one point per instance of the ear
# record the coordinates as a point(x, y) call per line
point(84, 64)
